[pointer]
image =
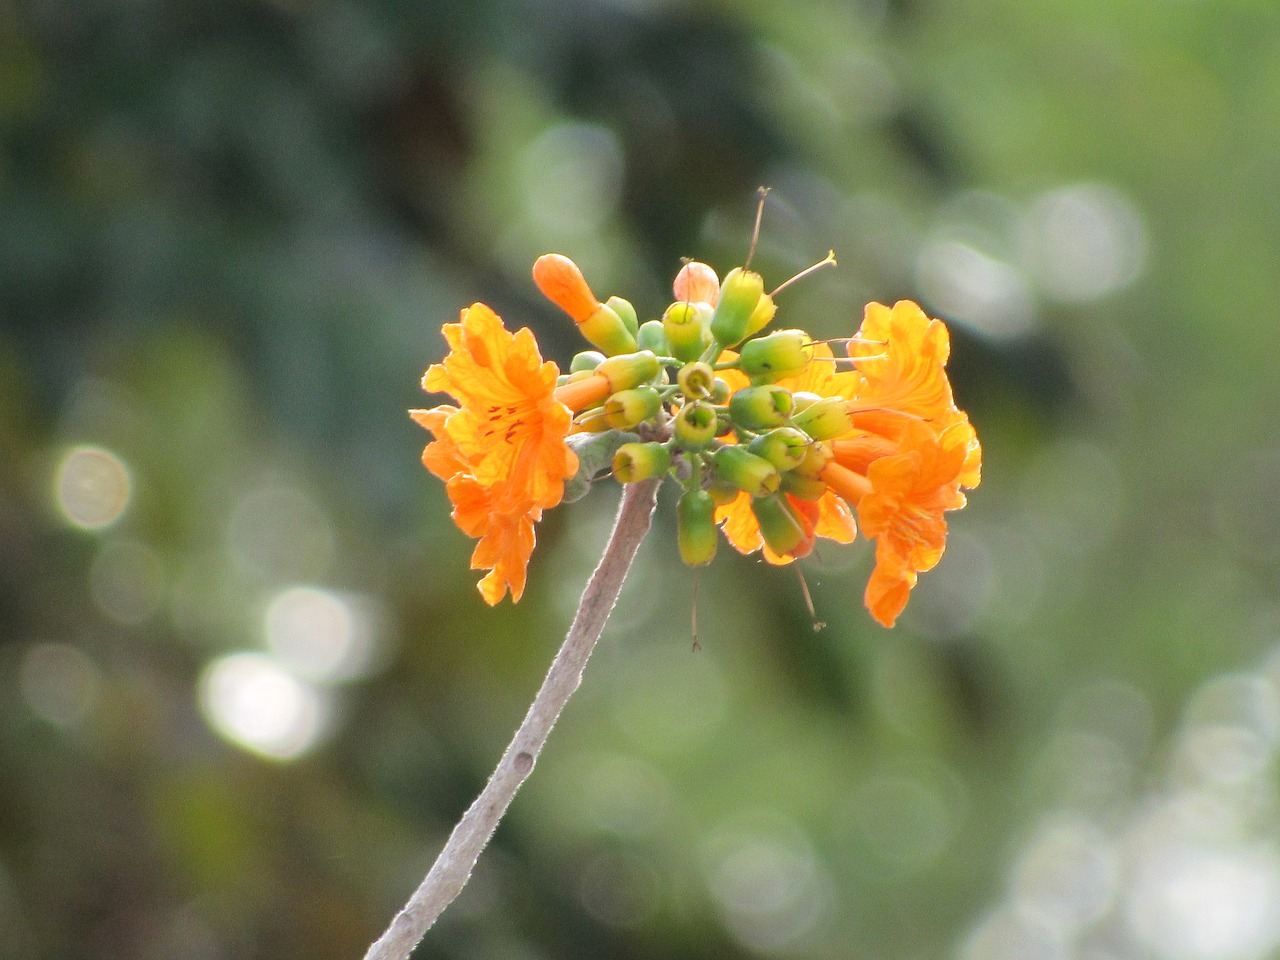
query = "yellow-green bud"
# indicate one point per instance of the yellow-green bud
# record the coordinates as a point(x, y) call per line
point(761, 315)
point(778, 524)
point(761, 407)
point(778, 355)
point(799, 485)
point(696, 527)
point(720, 391)
point(686, 327)
point(606, 330)
point(652, 337)
point(784, 447)
point(802, 399)
point(630, 369)
point(826, 419)
point(696, 425)
point(640, 461)
point(697, 380)
point(816, 457)
point(628, 408)
point(573, 376)
point(745, 470)
point(626, 311)
point(740, 294)
point(722, 491)
point(586, 360)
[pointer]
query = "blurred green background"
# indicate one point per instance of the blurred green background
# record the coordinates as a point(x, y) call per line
point(246, 682)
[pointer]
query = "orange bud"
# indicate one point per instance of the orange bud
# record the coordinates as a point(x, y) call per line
point(563, 284)
point(697, 283)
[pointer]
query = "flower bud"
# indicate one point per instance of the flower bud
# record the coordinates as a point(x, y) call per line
point(739, 296)
point(623, 308)
point(761, 407)
point(802, 487)
point(629, 369)
point(784, 447)
point(685, 325)
point(696, 425)
point(722, 492)
point(780, 354)
point(778, 523)
point(826, 419)
point(720, 392)
point(628, 408)
point(586, 360)
point(761, 315)
point(640, 461)
point(817, 456)
point(606, 330)
point(697, 380)
point(696, 527)
point(746, 471)
point(651, 336)
point(697, 283)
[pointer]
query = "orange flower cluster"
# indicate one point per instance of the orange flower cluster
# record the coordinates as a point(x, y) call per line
point(775, 440)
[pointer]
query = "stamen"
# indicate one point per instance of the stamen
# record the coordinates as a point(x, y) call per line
point(762, 192)
point(697, 578)
point(830, 258)
point(808, 600)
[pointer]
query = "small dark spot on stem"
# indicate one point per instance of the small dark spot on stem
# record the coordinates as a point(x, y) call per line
point(523, 762)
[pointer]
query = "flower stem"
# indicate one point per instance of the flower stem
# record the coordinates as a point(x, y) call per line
point(453, 867)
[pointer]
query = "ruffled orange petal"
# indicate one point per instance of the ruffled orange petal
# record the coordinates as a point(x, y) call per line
point(739, 524)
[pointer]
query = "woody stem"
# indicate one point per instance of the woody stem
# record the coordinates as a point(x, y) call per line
point(449, 874)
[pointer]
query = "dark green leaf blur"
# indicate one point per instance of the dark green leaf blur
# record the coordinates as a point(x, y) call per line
point(246, 682)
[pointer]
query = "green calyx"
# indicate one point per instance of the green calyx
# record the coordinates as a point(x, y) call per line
point(696, 531)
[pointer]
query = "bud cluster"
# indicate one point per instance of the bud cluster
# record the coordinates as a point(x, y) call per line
point(698, 387)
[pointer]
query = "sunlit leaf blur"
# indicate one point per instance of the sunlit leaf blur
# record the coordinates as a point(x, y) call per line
point(246, 682)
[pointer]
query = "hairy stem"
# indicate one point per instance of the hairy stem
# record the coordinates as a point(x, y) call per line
point(453, 867)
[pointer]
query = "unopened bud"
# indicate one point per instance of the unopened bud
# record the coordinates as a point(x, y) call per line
point(739, 296)
point(784, 447)
point(630, 370)
point(805, 488)
point(686, 327)
point(623, 308)
point(586, 360)
point(780, 354)
point(778, 523)
point(606, 330)
point(651, 336)
point(745, 470)
point(697, 283)
point(826, 419)
point(697, 380)
point(761, 407)
point(629, 408)
point(640, 461)
point(696, 527)
point(696, 425)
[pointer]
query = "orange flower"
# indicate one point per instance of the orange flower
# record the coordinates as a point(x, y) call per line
point(903, 510)
point(828, 517)
point(502, 452)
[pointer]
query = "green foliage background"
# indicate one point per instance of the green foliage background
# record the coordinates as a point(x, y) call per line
point(229, 232)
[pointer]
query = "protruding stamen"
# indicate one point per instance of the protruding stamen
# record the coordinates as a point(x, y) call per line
point(761, 192)
point(830, 259)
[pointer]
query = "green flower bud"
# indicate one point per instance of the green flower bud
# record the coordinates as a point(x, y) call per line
point(695, 426)
point(686, 327)
point(586, 360)
point(722, 492)
point(784, 447)
point(740, 294)
point(761, 315)
point(735, 465)
point(628, 408)
point(630, 369)
point(778, 355)
point(697, 380)
point(805, 488)
point(696, 527)
point(652, 337)
point(761, 407)
point(626, 311)
point(719, 392)
point(816, 457)
point(640, 461)
point(606, 330)
point(801, 399)
point(826, 419)
point(778, 523)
